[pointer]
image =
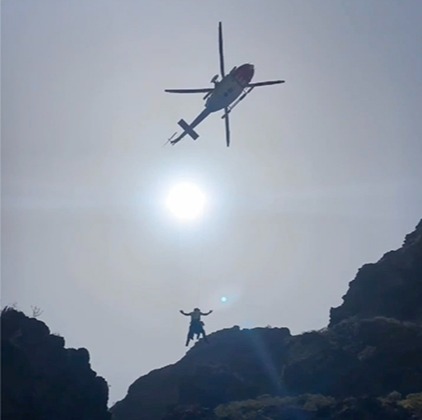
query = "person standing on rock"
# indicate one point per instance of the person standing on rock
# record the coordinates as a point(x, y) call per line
point(196, 325)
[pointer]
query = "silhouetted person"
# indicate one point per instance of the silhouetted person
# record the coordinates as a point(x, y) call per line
point(196, 325)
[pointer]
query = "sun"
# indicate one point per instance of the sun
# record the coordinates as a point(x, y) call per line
point(186, 201)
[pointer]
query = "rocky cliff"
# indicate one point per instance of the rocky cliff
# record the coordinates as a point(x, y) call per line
point(366, 364)
point(41, 379)
point(391, 287)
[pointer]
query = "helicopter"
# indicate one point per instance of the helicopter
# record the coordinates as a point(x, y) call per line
point(226, 94)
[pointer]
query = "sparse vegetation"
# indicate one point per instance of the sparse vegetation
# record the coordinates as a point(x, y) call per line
point(413, 403)
point(264, 405)
point(36, 311)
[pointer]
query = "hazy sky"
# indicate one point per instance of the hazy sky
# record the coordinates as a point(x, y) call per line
point(324, 173)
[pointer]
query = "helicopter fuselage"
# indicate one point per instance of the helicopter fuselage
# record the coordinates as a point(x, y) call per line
point(229, 88)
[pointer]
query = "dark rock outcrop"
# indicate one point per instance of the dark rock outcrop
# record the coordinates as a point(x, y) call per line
point(355, 358)
point(234, 364)
point(392, 287)
point(42, 380)
point(372, 348)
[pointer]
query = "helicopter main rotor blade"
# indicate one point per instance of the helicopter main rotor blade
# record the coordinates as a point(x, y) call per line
point(220, 49)
point(204, 90)
point(227, 125)
point(268, 83)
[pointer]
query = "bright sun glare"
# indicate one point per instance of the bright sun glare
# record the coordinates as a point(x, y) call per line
point(186, 201)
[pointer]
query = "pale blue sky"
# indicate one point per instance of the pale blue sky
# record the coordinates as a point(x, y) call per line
point(324, 173)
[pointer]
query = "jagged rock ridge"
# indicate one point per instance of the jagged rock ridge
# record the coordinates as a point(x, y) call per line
point(372, 347)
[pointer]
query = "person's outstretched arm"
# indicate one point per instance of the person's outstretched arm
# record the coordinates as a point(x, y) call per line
point(206, 313)
point(184, 313)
